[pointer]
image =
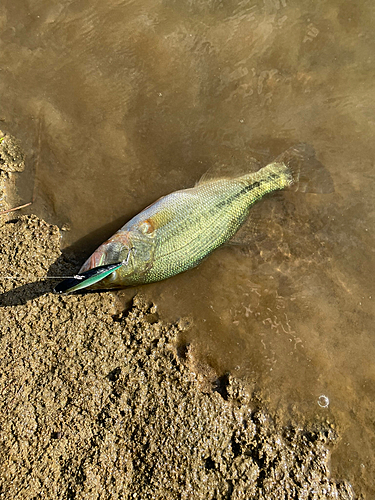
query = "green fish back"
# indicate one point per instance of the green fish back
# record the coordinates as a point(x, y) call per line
point(194, 222)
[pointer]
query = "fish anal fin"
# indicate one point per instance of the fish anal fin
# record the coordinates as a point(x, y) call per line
point(264, 221)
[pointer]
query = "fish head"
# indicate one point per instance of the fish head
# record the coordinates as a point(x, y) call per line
point(134, 247)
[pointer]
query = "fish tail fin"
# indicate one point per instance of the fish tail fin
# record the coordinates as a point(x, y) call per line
point(307, 172)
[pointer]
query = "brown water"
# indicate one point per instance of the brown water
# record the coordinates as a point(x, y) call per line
point(120, 102)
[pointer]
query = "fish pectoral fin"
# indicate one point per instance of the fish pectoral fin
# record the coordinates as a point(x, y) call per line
point(86, 279)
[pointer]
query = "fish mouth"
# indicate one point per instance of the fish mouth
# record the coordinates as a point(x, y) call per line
point(107, 253)
point(111, 251)
point(95, 260)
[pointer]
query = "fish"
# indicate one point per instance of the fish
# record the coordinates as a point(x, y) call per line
point(179, 230)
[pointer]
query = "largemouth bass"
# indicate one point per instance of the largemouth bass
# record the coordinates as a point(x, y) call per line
point(179, 230)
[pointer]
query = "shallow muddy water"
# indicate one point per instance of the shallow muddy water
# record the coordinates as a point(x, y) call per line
point(121, 102)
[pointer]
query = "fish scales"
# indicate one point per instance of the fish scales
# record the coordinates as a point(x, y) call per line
point(179, 230)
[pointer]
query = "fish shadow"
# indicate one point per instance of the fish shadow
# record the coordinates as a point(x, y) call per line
point(22, 294)
point(68, 264)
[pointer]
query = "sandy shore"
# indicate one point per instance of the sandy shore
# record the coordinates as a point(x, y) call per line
point(99, 403)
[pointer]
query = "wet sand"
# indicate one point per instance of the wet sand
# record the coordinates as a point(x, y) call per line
point(97, 401)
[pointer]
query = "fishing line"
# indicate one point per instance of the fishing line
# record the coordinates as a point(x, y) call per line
point(125, 262)
point(76, 276)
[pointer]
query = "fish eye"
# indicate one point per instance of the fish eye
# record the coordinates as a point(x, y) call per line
point(146, 227)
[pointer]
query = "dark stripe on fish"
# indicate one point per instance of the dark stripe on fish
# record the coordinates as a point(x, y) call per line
point(243, 191)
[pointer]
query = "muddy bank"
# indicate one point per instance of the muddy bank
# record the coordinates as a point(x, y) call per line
point(98, 403)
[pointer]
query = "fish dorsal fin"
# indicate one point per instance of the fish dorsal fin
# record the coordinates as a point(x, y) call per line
point(229, 170)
